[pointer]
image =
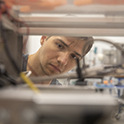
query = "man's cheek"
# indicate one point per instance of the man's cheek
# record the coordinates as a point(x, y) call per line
point(51, 54)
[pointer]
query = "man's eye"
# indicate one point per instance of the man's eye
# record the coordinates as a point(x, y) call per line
point(73, 56)
point(59, 46)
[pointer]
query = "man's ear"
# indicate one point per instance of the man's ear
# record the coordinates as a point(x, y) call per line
point(43, 38)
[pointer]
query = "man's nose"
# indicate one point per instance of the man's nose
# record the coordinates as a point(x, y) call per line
point(63, 58)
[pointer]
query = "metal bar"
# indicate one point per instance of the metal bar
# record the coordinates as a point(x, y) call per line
point(73, 18)
point(73, 31)
point(84, 9)
point(71, 22)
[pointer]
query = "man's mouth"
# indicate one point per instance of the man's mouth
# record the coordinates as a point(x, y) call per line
point(55, 68)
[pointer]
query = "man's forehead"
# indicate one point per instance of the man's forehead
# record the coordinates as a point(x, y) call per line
point(72, 43)
point(70, 40)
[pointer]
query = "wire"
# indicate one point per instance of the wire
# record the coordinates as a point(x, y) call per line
point(29, 82)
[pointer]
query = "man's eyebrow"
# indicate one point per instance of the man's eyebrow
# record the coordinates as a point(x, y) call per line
point(63, 42)
point(78, 54)
point(68, 46)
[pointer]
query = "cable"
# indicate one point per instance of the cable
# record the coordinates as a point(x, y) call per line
point(29, 82)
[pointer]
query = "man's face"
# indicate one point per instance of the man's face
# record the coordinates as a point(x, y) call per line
point(58, 54)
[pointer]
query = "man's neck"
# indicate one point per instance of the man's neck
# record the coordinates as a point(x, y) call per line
point(32, 65)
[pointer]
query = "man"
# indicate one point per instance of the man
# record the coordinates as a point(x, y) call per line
point(57, 55)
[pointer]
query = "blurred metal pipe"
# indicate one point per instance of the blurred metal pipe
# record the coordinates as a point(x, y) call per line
point(111, 42)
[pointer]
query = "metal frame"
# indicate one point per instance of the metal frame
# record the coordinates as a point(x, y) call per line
point(73, 25)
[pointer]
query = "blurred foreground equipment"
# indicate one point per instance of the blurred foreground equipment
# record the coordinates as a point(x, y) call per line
point(55, 105)
point(78, 105)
